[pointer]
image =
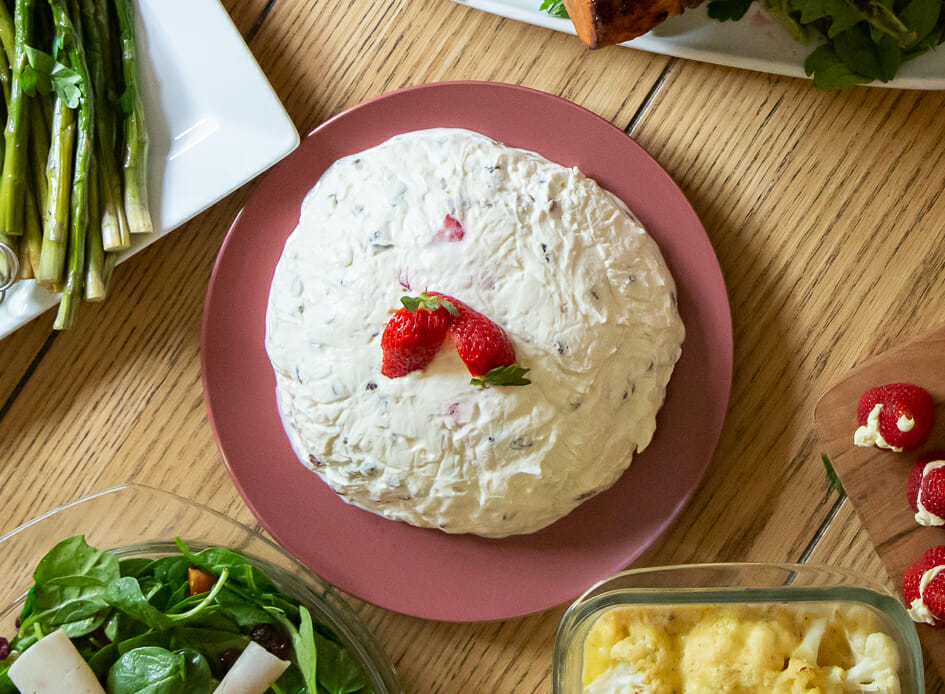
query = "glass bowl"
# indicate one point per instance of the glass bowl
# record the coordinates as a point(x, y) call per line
point(731, 584)
point(134, 520)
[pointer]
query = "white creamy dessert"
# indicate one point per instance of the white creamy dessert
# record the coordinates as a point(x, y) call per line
point(580, 288)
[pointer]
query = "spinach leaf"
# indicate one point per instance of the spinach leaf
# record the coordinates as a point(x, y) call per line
point(338, 672)
point(214, 560)
point(211, 642)
point(125, 594)
point(73, 557)
point(152, 670)
point(134, 566)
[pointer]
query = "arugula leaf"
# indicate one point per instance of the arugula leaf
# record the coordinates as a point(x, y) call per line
point(829, 72)
point(922, 17)
point(728, 10)
point(555, 8)
point(858, 52)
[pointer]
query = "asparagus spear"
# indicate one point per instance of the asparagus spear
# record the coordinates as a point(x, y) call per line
point(95, 258)
point(13, 180)
point(72, 45)
point(136, 135)
point(59, 179)
point(114, 226)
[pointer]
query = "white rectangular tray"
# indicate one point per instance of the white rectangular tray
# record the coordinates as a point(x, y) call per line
point(213, 119)
point(756, 42)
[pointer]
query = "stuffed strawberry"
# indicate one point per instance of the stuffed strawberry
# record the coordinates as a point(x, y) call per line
point(923, 588)
point(896, 416)
point(926, 490)
point(414, 334)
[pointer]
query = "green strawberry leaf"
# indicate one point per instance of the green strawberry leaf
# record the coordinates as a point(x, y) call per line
point(415, 303)
point(511, 375)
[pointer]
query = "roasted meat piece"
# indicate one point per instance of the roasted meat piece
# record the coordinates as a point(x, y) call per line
point(605, 22)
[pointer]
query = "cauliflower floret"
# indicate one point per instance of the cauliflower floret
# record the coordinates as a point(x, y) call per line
point(644, 647)
point(622, 678)
point(876, 667)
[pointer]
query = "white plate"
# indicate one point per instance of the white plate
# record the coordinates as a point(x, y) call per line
point(213, 119)
point(756, 42)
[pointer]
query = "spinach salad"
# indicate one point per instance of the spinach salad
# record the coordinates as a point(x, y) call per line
point(176, 624)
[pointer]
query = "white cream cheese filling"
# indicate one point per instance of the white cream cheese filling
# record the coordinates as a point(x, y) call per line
point(868, 434)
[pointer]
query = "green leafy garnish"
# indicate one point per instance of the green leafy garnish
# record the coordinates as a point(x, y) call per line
point(511, 375)
point(832, 475)
point(415, 303)
point(44, 74)
point(555, 8)
point(859, 41)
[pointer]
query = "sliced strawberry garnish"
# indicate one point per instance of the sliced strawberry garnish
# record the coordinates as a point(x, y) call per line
point(414, 334)
point(906, 414)
point(451, 230)
point(484, 347)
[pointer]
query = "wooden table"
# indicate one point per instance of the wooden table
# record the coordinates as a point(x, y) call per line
point(825, 211)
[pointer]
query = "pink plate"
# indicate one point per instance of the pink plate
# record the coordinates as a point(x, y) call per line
point(428, 573)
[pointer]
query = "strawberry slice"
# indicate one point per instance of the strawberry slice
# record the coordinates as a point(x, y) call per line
point(484, 347)
point(896, 416)
point(451, 230)
point(414, 334)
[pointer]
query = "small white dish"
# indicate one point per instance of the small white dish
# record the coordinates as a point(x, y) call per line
point(213, 119)
point(755, 42)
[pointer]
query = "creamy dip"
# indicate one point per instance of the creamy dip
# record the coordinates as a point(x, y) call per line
point(559, 263)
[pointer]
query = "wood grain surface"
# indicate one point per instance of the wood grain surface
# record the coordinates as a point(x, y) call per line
point(876, 480)
point(824, 210)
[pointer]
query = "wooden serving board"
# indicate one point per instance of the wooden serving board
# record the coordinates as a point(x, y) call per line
point(876, 480)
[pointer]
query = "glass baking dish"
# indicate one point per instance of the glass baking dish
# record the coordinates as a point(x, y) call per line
point(733, 585)
point(133, 520)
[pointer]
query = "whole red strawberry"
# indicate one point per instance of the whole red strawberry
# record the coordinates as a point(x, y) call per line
point(926, 603)
point(484, 347)
point(926, 490)
point(413, 335)
point(897, 416)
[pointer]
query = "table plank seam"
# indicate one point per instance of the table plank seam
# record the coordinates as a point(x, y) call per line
point(822, 530)
point(257, 25)
point(650, 97)
point(21, 384)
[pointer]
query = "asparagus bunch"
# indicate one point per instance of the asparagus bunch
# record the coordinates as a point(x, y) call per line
point(73, 183)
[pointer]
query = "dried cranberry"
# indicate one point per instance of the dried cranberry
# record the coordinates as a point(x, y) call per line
point(273, 639)
point(4, 648)
point(228, 657)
